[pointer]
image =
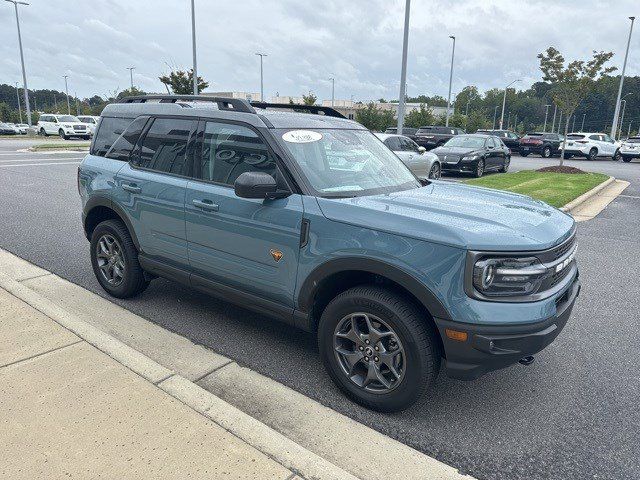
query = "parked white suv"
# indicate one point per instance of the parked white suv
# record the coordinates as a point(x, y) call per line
point(90, 121)
point(66, 126)
point(591, 146)
point(630, 149)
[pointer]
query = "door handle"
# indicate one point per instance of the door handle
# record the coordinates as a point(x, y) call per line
point(207, 205)
point(133, 188)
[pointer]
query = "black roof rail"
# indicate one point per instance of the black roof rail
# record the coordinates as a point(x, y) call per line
point(315, 109)
point(234, 104)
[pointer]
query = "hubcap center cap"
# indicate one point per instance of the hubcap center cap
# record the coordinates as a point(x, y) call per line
point(368, 351)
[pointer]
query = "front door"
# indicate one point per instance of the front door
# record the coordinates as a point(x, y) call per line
point(251, 245)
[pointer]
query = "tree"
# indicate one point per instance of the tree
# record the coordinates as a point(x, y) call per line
point(573, 82)
point(475, 121)
point(309, 99)
point(181, 82)
point(129, 92)
point(419, 117)
point(374, 118)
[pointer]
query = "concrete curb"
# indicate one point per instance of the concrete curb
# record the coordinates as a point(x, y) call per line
point(577, 202)
point(283, 450)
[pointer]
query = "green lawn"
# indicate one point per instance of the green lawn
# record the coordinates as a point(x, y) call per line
point(556, 189)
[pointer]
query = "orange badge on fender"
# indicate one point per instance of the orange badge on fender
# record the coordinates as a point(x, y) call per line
point(276, 254)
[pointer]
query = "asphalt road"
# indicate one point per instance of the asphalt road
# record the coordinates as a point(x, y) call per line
point(572, 414)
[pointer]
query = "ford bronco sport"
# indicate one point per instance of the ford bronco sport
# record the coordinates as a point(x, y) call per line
point(306, 216)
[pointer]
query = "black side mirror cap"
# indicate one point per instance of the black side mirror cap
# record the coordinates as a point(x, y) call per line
point(257, 185)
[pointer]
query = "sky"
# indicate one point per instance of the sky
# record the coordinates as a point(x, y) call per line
point(358, 42)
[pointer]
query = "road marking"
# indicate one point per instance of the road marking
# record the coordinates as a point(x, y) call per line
point(630, 196)
point(38, 164)
point(24, 160)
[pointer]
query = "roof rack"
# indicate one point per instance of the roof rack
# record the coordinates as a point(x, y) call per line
point(314, 109)
point(235, 104)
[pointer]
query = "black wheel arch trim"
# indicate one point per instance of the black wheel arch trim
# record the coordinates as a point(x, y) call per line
point(102, 201)
point(310, 286)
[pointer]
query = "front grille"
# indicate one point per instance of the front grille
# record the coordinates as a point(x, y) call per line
point(79, 127)
point(557, 252)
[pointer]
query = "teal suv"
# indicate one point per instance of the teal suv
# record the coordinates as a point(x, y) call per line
point(305, 216)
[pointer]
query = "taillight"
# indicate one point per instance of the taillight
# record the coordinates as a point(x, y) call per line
point(581, 141)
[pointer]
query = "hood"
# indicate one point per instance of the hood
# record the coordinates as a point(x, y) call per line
point(468, 217)
point(455, 151)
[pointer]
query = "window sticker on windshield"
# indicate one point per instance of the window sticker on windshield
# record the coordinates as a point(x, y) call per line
point(301, 136)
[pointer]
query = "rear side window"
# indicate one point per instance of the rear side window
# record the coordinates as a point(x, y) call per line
point(121, 149)
point(392, 143)
point(108, 132)
point(164, 146)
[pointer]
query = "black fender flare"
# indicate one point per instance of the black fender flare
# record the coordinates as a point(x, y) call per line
point(102, 201)
point(310, 286)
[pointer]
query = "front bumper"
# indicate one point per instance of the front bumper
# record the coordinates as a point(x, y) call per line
point(489, 348)
point(461, 166)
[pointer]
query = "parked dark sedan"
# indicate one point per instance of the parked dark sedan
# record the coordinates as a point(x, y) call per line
point(475, 154)
point(544, 144)
point(509, 138)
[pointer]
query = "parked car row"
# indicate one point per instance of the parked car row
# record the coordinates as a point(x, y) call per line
point(67, 126)
point(13, 128)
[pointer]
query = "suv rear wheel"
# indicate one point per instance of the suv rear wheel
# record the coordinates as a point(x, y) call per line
point(378, 349)
point(546, 152)
point(43, 133)
point(114, 259)
point(593, 154)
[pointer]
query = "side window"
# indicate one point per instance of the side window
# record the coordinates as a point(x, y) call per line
point(230, 150)
point(164, 146)
point(124, 144)
point(594, 137)
point(108, 132)
point(392, 143)
point(406, 145)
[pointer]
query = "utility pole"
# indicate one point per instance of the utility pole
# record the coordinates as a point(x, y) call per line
point(629, 130)
point(453, 52)
point(24, 73)
point(66, 90)
point(77, 104)
point(546, 113)
point(583, 117)
point(616, 112)
point(624, 100)
point(333, 90)
point(495, 111)
point(403, 71)
point(193, 41)
point(504, 101)
point(508, 121)
point(18, 97)
point(261, 55)
point(553, 124)
point(131, 69)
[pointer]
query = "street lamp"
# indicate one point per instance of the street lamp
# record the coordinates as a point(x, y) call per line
point(453, 52)
point(583, 117)
point(616, 112)
point(622, 116)
point(261, 55)
point(18, 97)
point(66, 90)
point(553, 124)
point(403, 71)
point(333, 90)
point(504, 101)
point(193, 41)
point(131, 69)
point(24, 73)
point(495, 111)
point(546, 113)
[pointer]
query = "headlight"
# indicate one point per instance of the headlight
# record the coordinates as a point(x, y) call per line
point(508, 277)
point(470, 157)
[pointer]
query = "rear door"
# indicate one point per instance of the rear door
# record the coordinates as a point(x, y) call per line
point(152, 187)
point(250, 245)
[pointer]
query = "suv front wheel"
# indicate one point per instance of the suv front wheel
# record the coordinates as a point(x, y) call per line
point(114, 259)
point(378, 348)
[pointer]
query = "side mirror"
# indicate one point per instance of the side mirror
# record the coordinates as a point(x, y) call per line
point(257, 185)
point(421, 150)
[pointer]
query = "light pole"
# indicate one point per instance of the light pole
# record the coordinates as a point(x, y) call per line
point(193, 41)
point(333, 90)
point(403, 71)
point(495, 112)
point(131, 69)
point(453, 53)
point(504, 101)
point(261, 55)
point(546, 113)
point(559, 122)
point(24, 73)
point(573, 128)
point(466, 112)
point(66, 90)
point(553, 124)
point(624, 107)
point(18, 97)
point(629, 130)
point(624, 66)
point(583, 117)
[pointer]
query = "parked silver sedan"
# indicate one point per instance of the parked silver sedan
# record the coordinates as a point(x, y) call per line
point(423, 164)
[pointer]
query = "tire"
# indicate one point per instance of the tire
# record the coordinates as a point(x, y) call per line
point(617, 156)
point(132, 280)
point(505, 165)
point(43, 133)
point(479, 171)
point(86, 137)
point(626, 159)
point(546, 152)
point(62, 135)
point(593, 154)
point(436, 172)
point(524, 154)
point(416, 342)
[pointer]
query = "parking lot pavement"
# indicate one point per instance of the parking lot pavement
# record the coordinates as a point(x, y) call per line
point(571, 414)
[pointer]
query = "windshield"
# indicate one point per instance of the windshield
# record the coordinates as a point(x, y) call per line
point(67, 118)
point(465, 142)
point(346, 163)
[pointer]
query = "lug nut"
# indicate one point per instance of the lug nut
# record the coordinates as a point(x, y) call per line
point(366, 359)
point(376, 359)
point(361, 348)
point(367, 342)
point(376, 348)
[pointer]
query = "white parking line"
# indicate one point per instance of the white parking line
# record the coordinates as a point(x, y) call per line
point(38, 164)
